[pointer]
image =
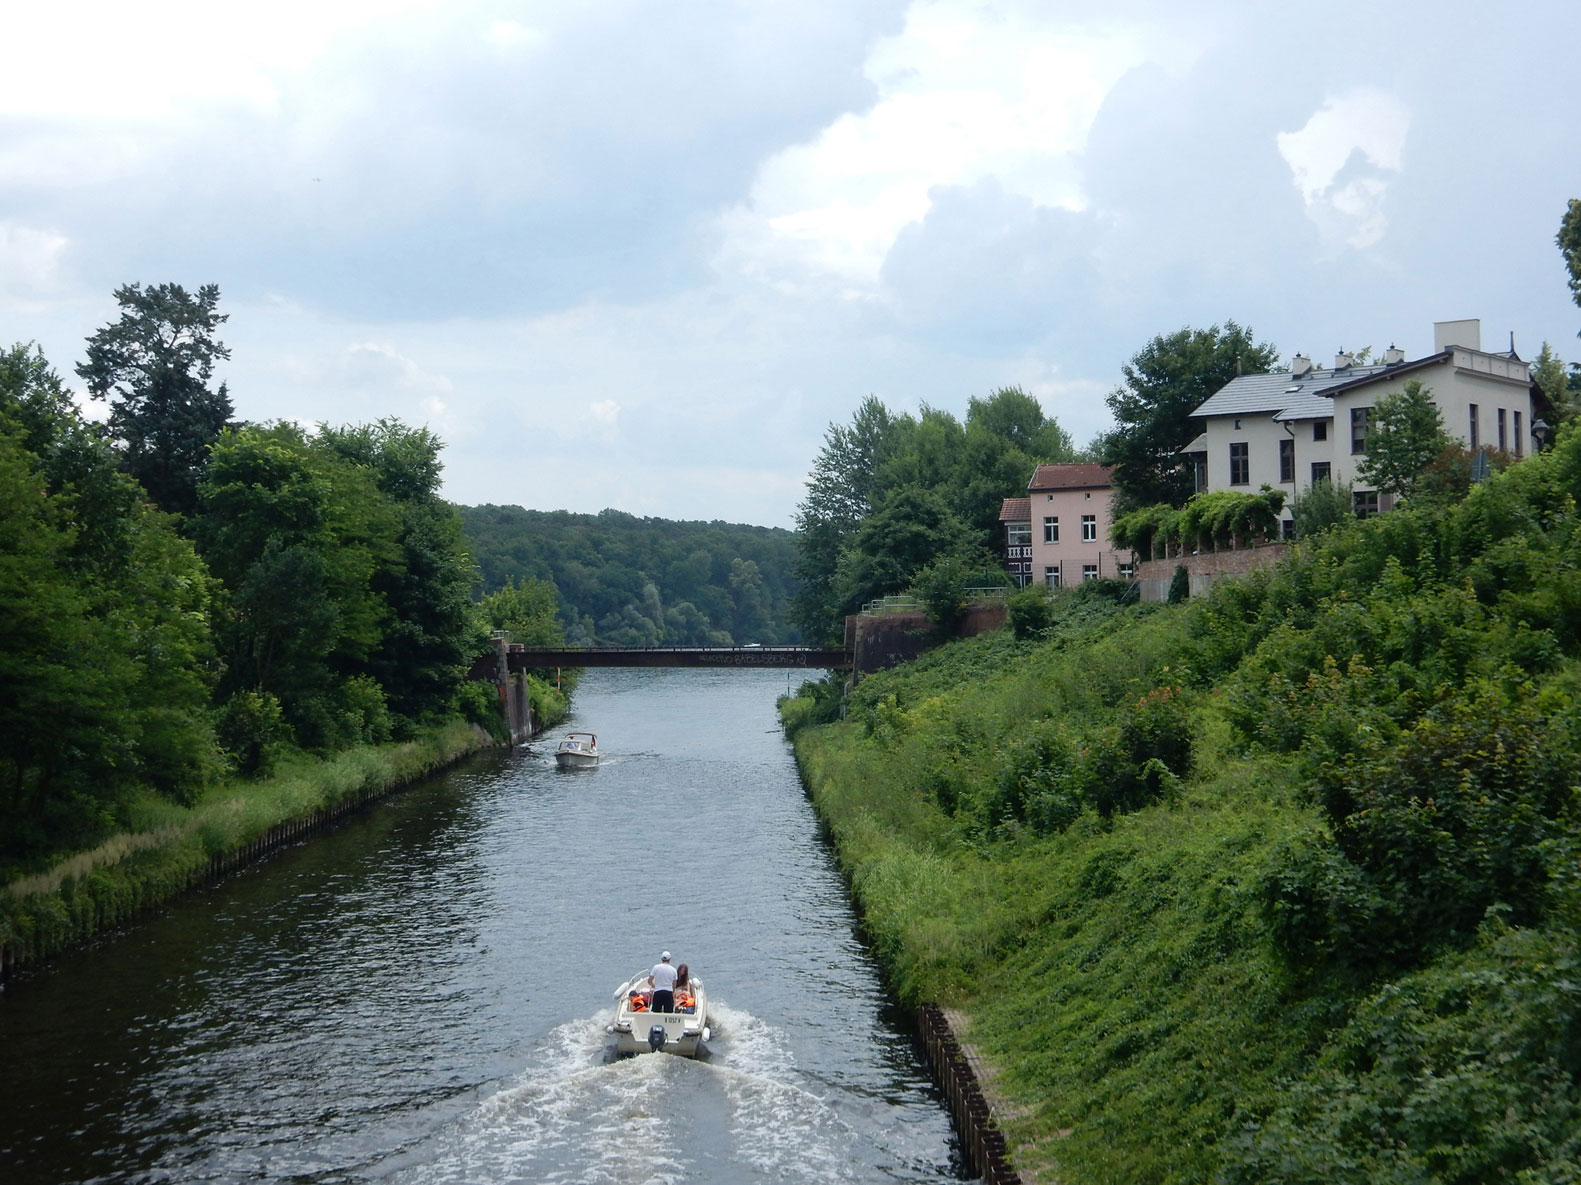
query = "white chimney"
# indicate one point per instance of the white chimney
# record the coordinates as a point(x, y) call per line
point(1457, 333)
point(1393, 356)
point(1300, 366)
point(1343, 361)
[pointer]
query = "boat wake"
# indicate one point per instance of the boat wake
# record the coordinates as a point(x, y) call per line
point(577, 1115)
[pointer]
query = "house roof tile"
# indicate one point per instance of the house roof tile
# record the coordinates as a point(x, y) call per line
point(1250, 394)
point(1082, 476)
point(1015, 510)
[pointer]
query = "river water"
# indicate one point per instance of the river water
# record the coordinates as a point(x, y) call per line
point(420, 995)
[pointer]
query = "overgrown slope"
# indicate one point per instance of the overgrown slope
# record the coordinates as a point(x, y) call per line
point(1282, 884)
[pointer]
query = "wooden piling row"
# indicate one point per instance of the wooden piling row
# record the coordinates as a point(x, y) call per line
point(292, 830)
point(981, 1140)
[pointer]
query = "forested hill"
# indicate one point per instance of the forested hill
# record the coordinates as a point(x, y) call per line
point(624, 580)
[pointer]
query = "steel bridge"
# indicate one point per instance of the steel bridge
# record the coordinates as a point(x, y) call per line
point(523, 658)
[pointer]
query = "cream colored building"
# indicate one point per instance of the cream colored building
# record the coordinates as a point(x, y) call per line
point(1292, 428)
point(1068, 508)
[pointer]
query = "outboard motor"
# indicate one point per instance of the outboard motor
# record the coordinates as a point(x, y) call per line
point(656, 1038)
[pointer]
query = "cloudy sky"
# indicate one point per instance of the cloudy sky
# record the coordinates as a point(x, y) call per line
point(641, 253)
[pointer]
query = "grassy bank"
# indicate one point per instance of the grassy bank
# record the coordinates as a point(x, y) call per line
point(168, 848)
point(1280, 885)
point(1114, 973)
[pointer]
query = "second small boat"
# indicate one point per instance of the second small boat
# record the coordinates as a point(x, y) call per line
point(577, 750)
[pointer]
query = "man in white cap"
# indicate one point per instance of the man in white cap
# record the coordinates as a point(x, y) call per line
point(662, 980)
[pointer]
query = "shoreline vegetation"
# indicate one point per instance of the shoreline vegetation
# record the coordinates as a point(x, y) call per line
point(167, 849)
point(1283, 883)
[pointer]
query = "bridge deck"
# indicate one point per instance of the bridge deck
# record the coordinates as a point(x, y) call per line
point(666, 656)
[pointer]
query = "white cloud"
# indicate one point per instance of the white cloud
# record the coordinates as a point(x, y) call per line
point(30, 265)
point(515, 35)
point(965, 94)
point(375, 364)
point(155, 59)
point(1363, 127)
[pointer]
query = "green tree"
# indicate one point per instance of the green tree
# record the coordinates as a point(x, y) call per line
point(1165, 382)
point(910, 529)
point(154, 367)
point(526, 610)
point(1018, 419)
point(431, 636)
point(751, 609)
point(1407, 435)
point(104, 666)
point(1569, 240)
point(940, 585)
point(296, 534)
point(840, 493)
point(1553, 377)
point(1321, 507)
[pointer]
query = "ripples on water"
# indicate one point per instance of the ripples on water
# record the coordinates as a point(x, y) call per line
point(420, 996)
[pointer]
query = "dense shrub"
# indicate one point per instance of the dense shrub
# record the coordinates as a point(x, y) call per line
point(1180, 585)
point(1031, 611)
point(1464, 1073)
point(1143, 758)
point(1429, 833)
point(478, 703)
point(1042, 782)
point(254, 732)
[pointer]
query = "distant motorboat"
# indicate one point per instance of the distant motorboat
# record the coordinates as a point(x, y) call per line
point(576, 750)
point(638, 1029)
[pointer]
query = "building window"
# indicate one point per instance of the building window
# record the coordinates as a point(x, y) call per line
point(1089, 528)
point(1287, 460)
point(1051, 529)
point(1360, 425)
point(1320, 471)
point(1287, 528)
point(1473, 437)
point(1240, 464)
point(1051, 576)
point(1127, 571)
point(1365, 502)
point(1199, 473)
point(1018, 534)
point(1319, 429)
point(1519, 450)
point(1089, 572)
point(1499, 417)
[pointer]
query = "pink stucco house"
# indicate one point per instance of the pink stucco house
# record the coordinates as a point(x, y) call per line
point(1069, 512)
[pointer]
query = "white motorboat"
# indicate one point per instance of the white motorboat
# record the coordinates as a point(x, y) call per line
point(576, 750)
point(638, 1029)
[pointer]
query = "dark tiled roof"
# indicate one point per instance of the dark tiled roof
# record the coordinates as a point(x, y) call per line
point(1016, 510)
point(1249, 394)
point(1071, 477)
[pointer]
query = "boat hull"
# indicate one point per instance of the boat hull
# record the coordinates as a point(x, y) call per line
point(577, 750)
point(685, 1032)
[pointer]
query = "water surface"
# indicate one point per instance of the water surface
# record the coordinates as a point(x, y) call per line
point(420, 995)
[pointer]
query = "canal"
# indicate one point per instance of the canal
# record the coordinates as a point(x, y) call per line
point(420, 995)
